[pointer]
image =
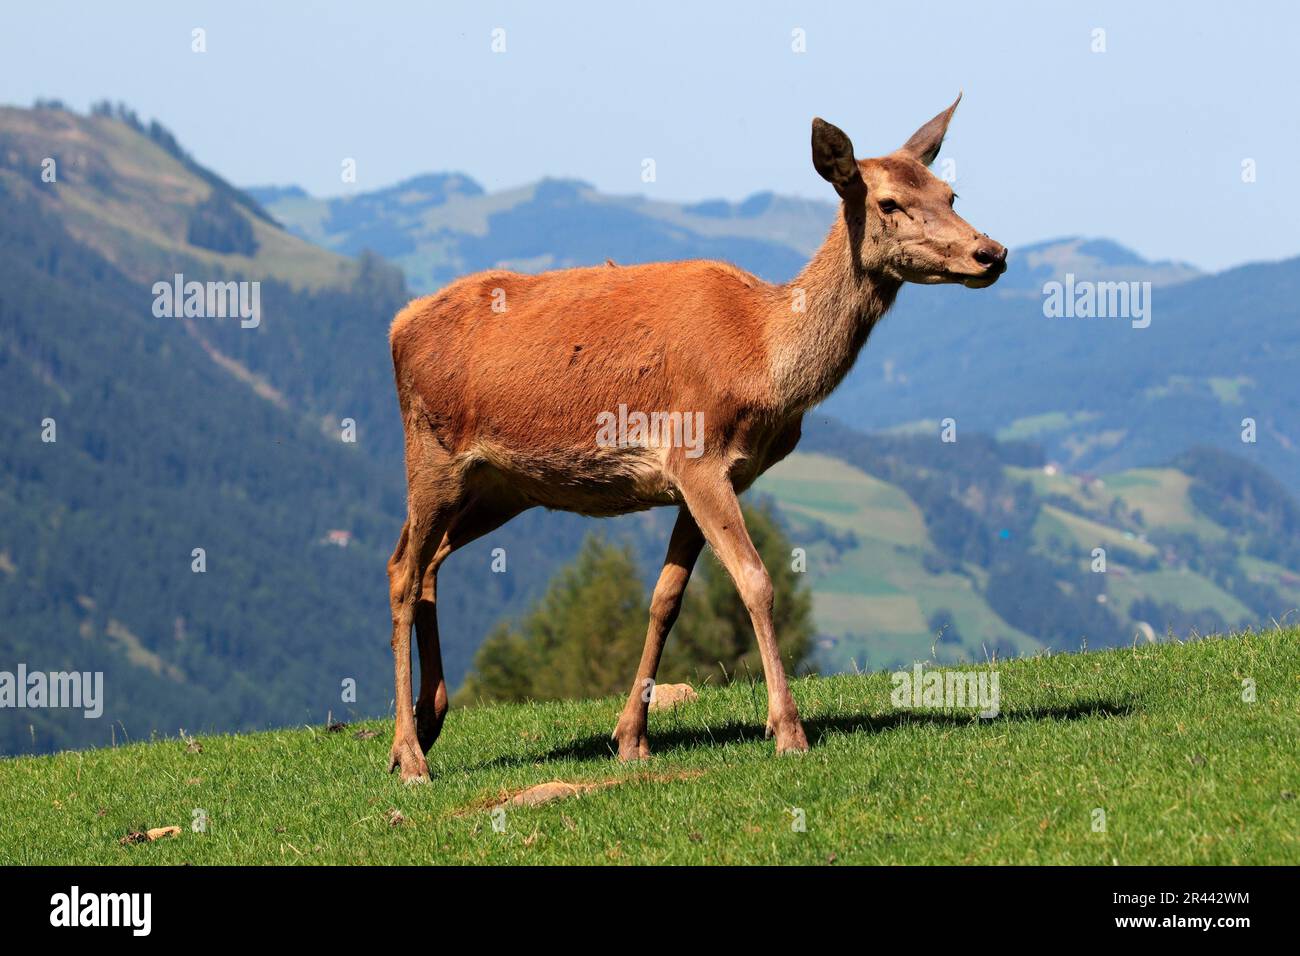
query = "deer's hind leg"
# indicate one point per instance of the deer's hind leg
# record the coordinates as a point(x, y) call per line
point(434, 491)
point(475, 518)
point(683, 548)
point(431, 705)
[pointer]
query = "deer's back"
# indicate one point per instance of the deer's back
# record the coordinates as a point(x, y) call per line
point(561, 347)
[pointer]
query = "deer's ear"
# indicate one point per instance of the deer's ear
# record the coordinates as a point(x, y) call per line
point(925, 142)
point(832, 154)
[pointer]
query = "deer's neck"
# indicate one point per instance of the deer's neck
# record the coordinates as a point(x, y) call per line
point(822, 319)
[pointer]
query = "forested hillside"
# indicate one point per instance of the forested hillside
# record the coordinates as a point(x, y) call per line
point(1097, 393)
point(171, 434)
point(125, 448)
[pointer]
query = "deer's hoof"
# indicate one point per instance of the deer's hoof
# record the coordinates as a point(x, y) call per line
point(634, 748)
point(790, 737)
point(633, 744)
point(406, 756)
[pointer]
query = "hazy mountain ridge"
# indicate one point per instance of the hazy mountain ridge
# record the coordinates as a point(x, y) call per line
point(439, 226)
point(1098, 394)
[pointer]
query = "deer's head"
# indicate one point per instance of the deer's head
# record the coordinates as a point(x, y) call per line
point(901, 215)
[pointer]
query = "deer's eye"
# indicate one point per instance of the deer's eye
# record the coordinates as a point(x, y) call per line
point(888, 205)
point(952, 199)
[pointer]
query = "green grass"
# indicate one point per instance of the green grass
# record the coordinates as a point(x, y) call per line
point(1228, 390)
point(1182, 588)
point(1035, 426)
point(1054, 522)
point(1158, 737)
point(845, 497)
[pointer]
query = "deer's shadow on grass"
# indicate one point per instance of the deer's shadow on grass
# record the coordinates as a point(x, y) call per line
point(673, 739)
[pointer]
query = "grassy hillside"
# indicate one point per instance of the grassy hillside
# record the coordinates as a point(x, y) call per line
point(130, 192)
point(1159, 738)
point(891, 583)
point(874, 598)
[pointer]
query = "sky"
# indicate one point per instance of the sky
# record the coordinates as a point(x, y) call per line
point(1143, 141)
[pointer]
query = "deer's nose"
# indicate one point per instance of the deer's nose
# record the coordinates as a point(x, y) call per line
point(991, 254)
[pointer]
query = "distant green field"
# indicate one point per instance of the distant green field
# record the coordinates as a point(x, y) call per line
point(876, 600)
point(1162, 495)
point(1056, 524)
point(1183, 588)
point(1033, 426)
point(830, 490)
point(1285, 581)
point(1147, 755)
point(874, 603)
point(1228, 390)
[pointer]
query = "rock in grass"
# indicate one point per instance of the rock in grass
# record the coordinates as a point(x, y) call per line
point(148, 836)
point(666, 696)
point(545, 793)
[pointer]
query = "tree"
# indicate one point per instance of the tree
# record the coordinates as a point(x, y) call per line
point(584, 637)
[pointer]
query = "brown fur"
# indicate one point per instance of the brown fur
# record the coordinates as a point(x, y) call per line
point(500, 406)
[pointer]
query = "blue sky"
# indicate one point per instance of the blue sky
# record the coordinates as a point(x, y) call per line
point(1143, 143)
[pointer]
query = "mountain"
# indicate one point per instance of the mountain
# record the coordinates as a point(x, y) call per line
point(131, 193)
point(440, 226)
point(195, 432)
point(130, 440)
point(1099, 394)
point(1091, 259)
point(176, 434)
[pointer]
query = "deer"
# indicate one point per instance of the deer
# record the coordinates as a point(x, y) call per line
point(502, 378)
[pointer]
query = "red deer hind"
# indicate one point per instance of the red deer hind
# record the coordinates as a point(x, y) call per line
point(503, 378)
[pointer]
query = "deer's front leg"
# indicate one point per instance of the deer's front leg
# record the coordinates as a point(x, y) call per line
point(712, 501)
